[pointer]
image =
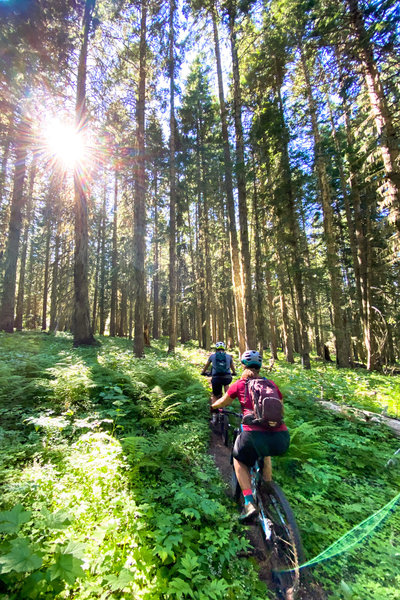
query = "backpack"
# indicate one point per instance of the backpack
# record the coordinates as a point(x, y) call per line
point(267, 406)
point(220, 364)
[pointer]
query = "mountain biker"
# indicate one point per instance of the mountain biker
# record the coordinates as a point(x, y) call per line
point(254, 441)
point(222, 370)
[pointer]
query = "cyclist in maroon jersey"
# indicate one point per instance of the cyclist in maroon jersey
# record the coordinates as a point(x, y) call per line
point(254, 441)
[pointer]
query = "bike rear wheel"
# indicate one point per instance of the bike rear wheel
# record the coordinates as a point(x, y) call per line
point(282, 539)
point(224, 429)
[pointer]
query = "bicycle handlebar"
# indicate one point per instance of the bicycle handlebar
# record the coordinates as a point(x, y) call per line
point(224, 411)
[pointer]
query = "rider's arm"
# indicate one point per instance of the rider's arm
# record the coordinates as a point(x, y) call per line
point(232, 367)
point(208, 363)
point(221, 402)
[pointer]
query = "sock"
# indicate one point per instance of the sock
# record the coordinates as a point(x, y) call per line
point(248, 496)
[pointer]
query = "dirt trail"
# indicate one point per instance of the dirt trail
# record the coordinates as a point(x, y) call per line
point(310, 590)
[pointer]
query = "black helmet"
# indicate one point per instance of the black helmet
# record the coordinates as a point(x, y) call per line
point(251, 358)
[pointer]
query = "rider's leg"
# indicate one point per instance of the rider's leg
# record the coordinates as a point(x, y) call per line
point(267, 469)
point(243, 477)
point(216, 394)
point(216, 389)
point(242, 474)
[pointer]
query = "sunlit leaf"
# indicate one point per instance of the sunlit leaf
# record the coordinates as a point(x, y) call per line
point(12, 520)
point(21, 559)
point(66, 567)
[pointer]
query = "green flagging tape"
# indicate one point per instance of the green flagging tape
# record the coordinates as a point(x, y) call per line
point(354, 536)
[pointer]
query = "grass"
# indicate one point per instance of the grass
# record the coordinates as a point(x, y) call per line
point(104, 460)
point(108, 490)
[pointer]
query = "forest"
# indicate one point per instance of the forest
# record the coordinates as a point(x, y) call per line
point(173, 173)
point(205, 172)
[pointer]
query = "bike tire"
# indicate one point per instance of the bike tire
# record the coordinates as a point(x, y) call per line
point(235, 488)
point(282, 539)
point(224, 429)
point(215, 423)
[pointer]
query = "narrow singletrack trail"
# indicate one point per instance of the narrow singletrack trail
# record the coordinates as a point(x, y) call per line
point(309, 590)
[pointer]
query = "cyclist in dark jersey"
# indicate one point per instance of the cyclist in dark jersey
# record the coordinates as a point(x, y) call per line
point(222, 369)
point(254, 441)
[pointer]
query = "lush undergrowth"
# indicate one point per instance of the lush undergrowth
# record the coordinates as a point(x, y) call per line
point(108, 490)
point(107, 487)
point(338, 472)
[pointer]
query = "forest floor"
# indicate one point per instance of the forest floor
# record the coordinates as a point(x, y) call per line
point(110, 487)
point(309, 590)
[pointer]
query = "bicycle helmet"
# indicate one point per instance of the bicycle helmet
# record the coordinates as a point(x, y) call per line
point(219, 346)
point(251, 358)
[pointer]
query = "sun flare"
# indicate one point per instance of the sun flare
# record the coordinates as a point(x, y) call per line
point(65, 143)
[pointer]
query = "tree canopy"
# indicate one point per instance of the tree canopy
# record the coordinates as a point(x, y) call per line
point(219, 170)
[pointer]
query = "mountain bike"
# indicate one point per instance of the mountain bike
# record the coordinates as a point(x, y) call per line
point(219, 421)
point(220, 425)
point(277, 524)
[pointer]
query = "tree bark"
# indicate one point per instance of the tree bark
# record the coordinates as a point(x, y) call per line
point(388, 140)
point(96, 278)
point(172, 183)
point(114, 262)
point(250, 330)
point(290, 225)
point(156, 277)
point(54, 283)
point(286, 333)
point(271, 313)
point(14, 233)
point(336, 287)
point(46, 276)
point(22, 267)
point(81, 314)
point(259, 276)
point(139, 224)
point(233, 240)
point(102, 279)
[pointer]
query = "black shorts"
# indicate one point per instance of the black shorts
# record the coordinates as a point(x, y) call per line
point(251, 445)
point(218, 381)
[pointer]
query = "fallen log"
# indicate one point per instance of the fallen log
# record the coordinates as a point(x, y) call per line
point(363, 415)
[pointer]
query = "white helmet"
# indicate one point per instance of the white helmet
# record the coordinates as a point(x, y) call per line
point(251, 358)
point(219, 346)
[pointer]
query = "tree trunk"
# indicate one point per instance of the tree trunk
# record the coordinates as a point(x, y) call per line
point(114, 261)
point(81, 315)
point(233, 241)
point(271, 313)
point(96, 279)
point(139, 234)
point(102, 281)
point(342, 349)
point(156, 277)
point(46, 276)
point(360, 208)
point(123, 313)
point(259, 277)
point(172, 183)
point(289, 222)
point(286, 334)
point(388, 140)
point(4, 159)
point(15, 226)
point(251, 338)
point(54, 283)
point(196, 285)
point(29, 288)
point(22, 266)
